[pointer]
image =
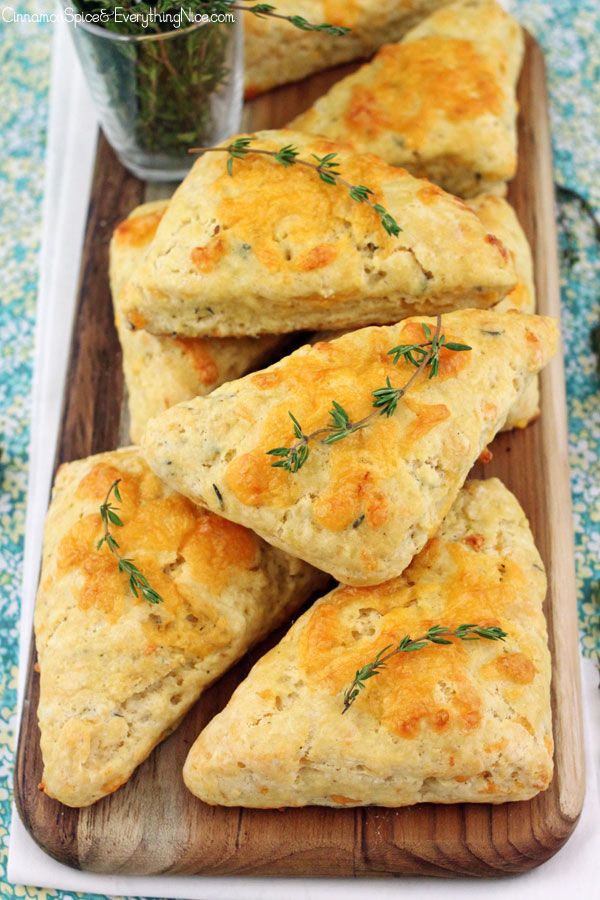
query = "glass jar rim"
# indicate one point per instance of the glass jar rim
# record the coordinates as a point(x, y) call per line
point(138, 38)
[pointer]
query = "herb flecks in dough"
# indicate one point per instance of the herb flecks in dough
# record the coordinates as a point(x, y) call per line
point(421, 355)
point(138, 582)
point(437, 634)
point(327, 168)
point(219, 496)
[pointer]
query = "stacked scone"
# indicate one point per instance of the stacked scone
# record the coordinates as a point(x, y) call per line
point(425, 674)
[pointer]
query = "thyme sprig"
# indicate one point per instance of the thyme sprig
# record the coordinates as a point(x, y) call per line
point(415, 353)
point(138, 582)
point(327, 168)
point(437, 634)
point(385, 400)
point(267, 9)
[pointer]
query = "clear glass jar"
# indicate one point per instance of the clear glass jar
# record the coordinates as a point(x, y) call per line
point(159, 94)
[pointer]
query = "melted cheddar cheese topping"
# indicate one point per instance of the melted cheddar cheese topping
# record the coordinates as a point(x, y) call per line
point(449, 582)
point(263, 211)
point(198, 350)
point(359, 465)
point(437, 76)
point(519, 297)
point(137, 231)
point(182, 550)
point(341, 12)
point(207, 257)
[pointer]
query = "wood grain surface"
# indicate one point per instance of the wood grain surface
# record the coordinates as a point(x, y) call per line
point(153, 825)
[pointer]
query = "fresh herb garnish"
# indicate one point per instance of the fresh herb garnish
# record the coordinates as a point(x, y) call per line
point(266, 9)
point(326, 167)
point(138, 582)
point(161, 91)
point(423, 355)
point(416, 353)
point(437, 634)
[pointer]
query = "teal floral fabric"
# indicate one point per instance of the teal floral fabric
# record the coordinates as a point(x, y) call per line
point(569, 31)
point(24, 62)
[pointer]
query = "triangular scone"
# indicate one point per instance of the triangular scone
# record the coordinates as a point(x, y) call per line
point(117, 673)
point(272, 248)
point(441, 103)
point(162, 371)
point(470, 722)
point(360, 508)
point(499, 217)
point(276, 52)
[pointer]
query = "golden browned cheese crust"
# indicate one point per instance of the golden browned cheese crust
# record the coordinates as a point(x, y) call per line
point(499, 217)
point(470, 722)
point(116, 672)
point(441, 103)
point(360, 508)
point(276, 52)
point(162, 371)
point(273, 249)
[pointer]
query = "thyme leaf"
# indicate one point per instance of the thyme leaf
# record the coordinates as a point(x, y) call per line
point(219, 496)
point(437, 634)
point(416, 353)
point(138, 583)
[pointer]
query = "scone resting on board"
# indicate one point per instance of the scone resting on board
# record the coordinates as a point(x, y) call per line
point(441, 103)
point(117, 673)
point(162, 371)
point(276, 52)
point(499, 217)
point(272, 248)
point(466, 722)
point(362, 507)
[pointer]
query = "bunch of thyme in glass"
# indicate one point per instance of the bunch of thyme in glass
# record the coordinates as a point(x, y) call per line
point(109, 515)
point(162, 90)
point(437, 634)
point(425, 354)
point(326, 167)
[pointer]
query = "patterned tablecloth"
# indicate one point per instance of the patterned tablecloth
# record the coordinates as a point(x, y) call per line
point(569, 31)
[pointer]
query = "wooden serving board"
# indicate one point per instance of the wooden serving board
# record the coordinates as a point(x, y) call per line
point(153, 825)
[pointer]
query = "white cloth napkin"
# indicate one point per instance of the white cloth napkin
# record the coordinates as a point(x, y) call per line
point(71, 144)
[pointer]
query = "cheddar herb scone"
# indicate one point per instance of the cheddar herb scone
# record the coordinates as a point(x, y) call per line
point(441, 103)
point(272, 248)
point(466, 722)
point(500, 218)
point(117, 673)
point(276, 53)
point(162, 371)
point(359, 508)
